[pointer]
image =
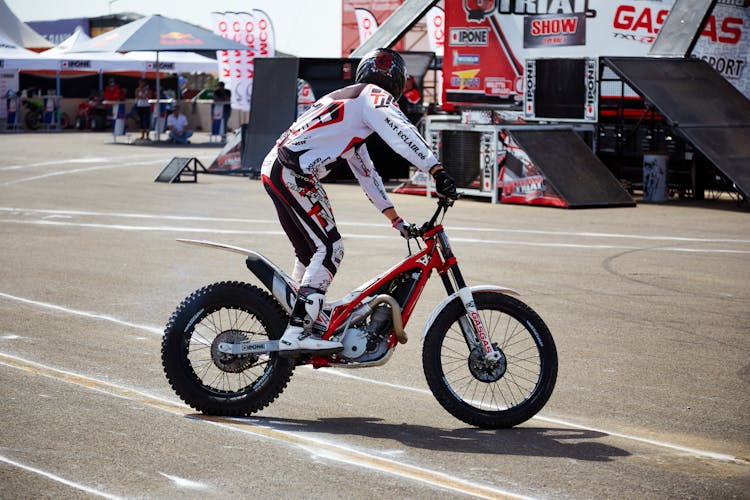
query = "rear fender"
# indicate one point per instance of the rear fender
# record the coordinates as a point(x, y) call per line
point(453, 296)
point(280, 284)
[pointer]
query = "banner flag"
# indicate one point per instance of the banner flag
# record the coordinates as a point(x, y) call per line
point(237, 60)
point(221, 28)
point(237, 67)
point(366, 23)
point(435, 21)
point(248, 31)
point(266, 42)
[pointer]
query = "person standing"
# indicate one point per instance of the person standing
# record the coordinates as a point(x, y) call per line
point(224, 95)
point(143, 108)
point(113, 92)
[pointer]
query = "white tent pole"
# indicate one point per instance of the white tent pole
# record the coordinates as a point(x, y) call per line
point(58, 101)
point(159, 125)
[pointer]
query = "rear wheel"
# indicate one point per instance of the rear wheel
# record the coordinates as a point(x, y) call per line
point(33, 119)
point(218, 383)
point(97, 122)
point(491, 395)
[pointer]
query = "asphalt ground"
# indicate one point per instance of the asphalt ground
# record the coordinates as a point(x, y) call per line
point(649, 307)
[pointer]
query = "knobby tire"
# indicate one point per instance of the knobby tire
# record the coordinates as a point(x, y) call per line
point(217, 384)
point(508, 398)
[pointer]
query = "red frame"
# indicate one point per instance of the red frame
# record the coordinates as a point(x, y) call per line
point(426, 260)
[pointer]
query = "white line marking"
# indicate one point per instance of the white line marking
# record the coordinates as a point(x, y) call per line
point(181, 482)
point(120, 227)
point(345, 374)
point(57, 163)
point(54, 477)
point(76, 171)
point(371, 224)
point(684, 449)
point(63, 161)
point(178, 229)
point(85, 314)
point(65, 172)
point(333, 451)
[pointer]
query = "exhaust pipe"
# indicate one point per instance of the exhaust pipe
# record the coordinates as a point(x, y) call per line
point(366, 309)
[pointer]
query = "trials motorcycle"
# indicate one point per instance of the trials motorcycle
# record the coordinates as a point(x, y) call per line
point(488, 358)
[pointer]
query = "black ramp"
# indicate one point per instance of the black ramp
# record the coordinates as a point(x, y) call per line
point(681, 29)
point(571, 168)
point(273, 108)
point(700, 105)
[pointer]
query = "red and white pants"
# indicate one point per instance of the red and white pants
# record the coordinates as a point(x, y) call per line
point(307, 218)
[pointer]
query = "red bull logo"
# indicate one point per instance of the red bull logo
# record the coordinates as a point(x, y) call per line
point(105, 39)
point(177, 38)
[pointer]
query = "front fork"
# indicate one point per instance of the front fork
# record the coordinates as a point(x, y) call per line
point(473, 328)
point(471, 323)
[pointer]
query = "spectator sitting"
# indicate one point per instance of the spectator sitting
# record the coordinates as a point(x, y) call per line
point(177, 124)
point(113, 92)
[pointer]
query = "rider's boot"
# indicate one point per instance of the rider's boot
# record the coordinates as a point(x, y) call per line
point(299, 337)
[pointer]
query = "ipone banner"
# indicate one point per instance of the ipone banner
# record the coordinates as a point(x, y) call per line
point(488, 42)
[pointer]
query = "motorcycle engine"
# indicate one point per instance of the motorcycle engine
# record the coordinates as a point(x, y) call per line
point(367, 341)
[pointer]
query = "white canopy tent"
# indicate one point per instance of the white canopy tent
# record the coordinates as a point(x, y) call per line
point(174, 62)
point(70, 60)
point(18, 32)
point(13, 56)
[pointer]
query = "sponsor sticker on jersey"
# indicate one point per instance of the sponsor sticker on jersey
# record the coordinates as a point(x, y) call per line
point(381, 98)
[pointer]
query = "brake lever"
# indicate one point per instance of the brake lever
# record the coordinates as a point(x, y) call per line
point(414, 234)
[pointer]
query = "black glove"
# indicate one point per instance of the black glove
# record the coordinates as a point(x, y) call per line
point(444, 184)
point(401, 226)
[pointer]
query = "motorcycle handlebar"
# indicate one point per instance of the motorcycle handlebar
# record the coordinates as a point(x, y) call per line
point(442, 206)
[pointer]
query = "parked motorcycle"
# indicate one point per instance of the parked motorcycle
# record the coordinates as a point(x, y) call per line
point(489, 359)
point(92, 114)
point(34, 114)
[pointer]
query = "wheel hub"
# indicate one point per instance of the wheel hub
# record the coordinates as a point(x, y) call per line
point(485, 371)
point(232, 363)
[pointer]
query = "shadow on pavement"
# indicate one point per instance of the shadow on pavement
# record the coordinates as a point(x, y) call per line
point(523, 441)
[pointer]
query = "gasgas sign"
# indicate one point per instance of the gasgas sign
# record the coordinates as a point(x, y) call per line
point(494, 38)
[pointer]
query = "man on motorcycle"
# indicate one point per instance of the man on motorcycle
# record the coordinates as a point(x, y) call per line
point(334, 129)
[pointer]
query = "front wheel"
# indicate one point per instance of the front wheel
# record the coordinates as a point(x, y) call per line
point(218, 383)
point(491, 395)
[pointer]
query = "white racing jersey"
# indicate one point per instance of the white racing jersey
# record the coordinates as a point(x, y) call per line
point(337, 125)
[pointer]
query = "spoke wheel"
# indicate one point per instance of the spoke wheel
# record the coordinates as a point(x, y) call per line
point(215, 382)
point(491, 394)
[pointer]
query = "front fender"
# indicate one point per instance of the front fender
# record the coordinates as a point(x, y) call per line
point(450, 298)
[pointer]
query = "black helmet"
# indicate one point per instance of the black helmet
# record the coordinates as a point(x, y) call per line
point(385, 68)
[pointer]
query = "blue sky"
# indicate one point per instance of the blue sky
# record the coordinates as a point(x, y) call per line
point(308, 28)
